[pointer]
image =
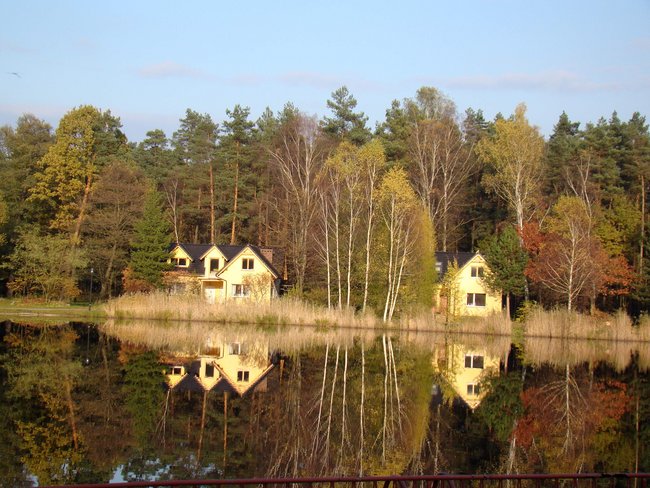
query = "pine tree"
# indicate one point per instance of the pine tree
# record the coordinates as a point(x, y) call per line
point(346, 123)
point(149, 250)
point(507, 262)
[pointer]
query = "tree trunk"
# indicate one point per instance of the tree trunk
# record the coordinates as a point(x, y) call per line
point(76, 237)
point(233, 227)
point(212, 216)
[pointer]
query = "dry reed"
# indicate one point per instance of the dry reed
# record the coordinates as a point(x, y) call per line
point(570, 325)
point(283, 311)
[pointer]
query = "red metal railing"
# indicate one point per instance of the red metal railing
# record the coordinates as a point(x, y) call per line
point(576, 480)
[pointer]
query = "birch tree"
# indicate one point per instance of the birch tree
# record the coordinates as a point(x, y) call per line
point(398, 206)
point(514, 153)
point(298, 157)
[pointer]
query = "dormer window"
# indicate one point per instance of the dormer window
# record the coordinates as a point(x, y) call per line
point(214, 265)
point(182, 262)
point(247, 263)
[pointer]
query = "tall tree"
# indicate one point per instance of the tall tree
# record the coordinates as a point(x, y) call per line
point(398, 206)
point(506, 262)
point(85, 139)
point(515, 155)
point(150, 246)
point(115, 206)
point(235, 147)
point(298, 157)
point(345, 122)
point(195, 143)
point(562, 152)
point(565, 264)
point(25, 146)
point(45, 265)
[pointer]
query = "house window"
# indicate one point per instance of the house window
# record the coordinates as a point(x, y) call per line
point(179, 262)
point(243, 376)
point(473, 390)
point(241, 291)
point(209, 370)
point(472, 361)
point(438, 267)
point(247, 263)
point(476, 299)
point(176, 370)
point(477, 271)
point(234, 348)
point(214, 265)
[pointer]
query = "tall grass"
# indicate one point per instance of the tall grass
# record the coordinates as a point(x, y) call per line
point(493, 324)
point(283, 311)
point(570, 325)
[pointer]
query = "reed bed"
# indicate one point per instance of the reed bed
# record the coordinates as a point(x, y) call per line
point(284, 311)
point(570, 325)
point(494, 324)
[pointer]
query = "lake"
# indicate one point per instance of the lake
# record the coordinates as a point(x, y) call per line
point(132, 401)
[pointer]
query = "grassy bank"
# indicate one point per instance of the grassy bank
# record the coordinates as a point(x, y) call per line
point(20, 308)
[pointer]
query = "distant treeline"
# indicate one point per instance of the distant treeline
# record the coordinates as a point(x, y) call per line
point(358, 211)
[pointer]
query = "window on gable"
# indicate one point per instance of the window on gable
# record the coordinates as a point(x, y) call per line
point(476, 299)
point(472, 361)
point(473, 390)
point(477, 271)
point(243, 376)
point(247, 263)
point(214, 265)
point(182, 262)
point(209, 370)
point(234, 348)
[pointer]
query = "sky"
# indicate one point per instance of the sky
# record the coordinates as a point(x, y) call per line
point(148, 62)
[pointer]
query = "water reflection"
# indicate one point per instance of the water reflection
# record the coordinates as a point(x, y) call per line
point(162, 401)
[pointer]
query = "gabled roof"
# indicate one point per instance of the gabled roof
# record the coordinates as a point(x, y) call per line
point(197, 252)
point(251, 387)
point(446, 258)
point(256, 250)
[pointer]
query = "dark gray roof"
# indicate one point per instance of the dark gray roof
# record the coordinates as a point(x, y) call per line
point(444, 259)
point(195, 251)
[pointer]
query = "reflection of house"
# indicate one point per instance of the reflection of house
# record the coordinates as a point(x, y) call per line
point(464, 368)
point(223, 272)
point(235, 368)
point(466, 293)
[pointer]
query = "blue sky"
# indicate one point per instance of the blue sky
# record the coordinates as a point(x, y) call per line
point(149, 61)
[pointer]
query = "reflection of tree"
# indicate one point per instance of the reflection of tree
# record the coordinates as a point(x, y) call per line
point(41, 372)
point(143, 381)
point(565, 417)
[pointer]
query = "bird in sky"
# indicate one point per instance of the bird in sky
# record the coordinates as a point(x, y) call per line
point(14, 73)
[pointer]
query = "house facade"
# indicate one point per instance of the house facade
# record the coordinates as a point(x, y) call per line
point(222, 272)
point(461, 290)
point(465, 368)
point(234, 367)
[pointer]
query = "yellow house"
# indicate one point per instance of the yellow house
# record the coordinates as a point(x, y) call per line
point(465, 368)
point(234, 367)
point(221, 272)
point(461, 290)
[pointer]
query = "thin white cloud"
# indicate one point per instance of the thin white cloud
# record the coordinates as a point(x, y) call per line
point(326, 81)
point(562, 81)
point(170, 69)
point(641, 43)
point(10, 47)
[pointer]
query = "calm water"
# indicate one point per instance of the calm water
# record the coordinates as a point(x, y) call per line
point(83, 403)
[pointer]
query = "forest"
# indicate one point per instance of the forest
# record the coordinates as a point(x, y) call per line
point(357, 211)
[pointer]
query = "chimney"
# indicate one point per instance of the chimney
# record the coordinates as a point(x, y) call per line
point(267, 252)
